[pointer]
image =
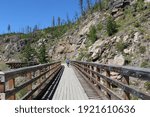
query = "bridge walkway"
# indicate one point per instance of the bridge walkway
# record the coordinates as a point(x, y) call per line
point(69, 87)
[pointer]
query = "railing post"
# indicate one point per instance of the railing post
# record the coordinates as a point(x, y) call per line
point(2, 86)
point(11, 85)
point(108, 85)
point(29, 76)
point(97, 77)
point(125, 80)
point(88, 66)
point(49, 70)
point(92, 68)
point(85, 67)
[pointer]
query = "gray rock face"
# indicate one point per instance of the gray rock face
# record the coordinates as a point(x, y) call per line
point(117, 5)
point(136, 37)
point(60, 49)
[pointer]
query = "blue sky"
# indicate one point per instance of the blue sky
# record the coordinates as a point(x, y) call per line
point(21, 13)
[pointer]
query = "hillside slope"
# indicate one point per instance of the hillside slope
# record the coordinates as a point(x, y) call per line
point(129, 46)
point(87, 39)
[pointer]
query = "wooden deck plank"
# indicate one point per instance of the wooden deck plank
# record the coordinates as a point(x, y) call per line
point(69, 87)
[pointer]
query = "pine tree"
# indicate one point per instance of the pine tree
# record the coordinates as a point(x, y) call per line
point(53, 21)
point(42, 54)
point(9, 28)
point(81, 6)
point(35, 28)
point(88, 4)
point(28, 53)
point(100, 4)
point(76, 16)
point(59, 21)
point(111, 26)
point(140, 5)
point(92, 34)
point(68, 19)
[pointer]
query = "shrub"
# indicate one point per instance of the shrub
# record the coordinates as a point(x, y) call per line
point(145, 64)
point(83, 54)
point(120, 46)
point(100, 26)
point(111, 26)
point(137, 24)
point(92, 34)
point(42, 54)
point(142, 49)
point(140, 5)
point(147, 85)
point(128, 59)
point(101, 5)
point(28, 53)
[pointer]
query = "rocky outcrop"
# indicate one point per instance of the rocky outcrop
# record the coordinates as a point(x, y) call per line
point(116, 7)
point(119, 60)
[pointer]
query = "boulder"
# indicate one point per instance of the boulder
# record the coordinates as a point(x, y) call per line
point(95, 55)
point(97, 45)
point(136, 37)
point(85, 29)
point(60, 49)
point(119, 60)
point(8, 47)
point(111, 62)
point(118, 14)
point(125, 38)
point(50, 52)
point(81, 40)
point(70, 48)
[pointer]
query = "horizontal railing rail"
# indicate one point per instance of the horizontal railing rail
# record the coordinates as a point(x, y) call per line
point(101, 76)
point(15, 65)
point(26, 82)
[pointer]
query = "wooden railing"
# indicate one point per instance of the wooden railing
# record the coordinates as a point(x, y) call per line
point(26, 82)
point(101, 76)
point(15, 65)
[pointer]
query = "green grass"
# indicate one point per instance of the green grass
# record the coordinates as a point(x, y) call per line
point(142, 49)
point(120, 46)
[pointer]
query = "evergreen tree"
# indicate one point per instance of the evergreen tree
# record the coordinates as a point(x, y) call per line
point(42, 54)
point(68, 20)
point(9, 28)
point(76, 16)
point(111, 26)
point(28, 29)
point(53, 21)
point(100, 4)
point(140, 5)
point(81, 6)
point(88, 4)
point(28, 53)
point(59, 21)
point(92, 34)
point(35, 28)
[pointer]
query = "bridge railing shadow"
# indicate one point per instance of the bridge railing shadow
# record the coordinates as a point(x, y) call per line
point(27, 82)
point(114, 81)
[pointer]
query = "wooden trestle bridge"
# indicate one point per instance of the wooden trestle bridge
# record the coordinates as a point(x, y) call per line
point(80, 81)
